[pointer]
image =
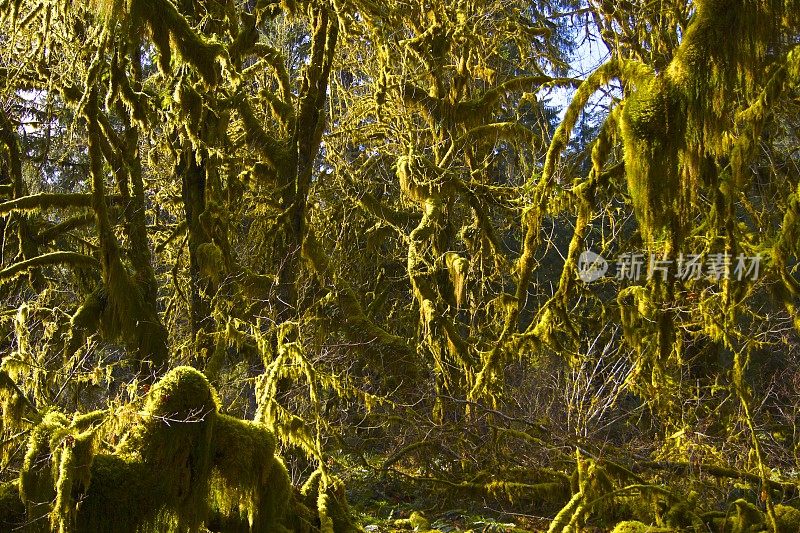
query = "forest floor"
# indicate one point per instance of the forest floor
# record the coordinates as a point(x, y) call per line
point(404, 519)
point(390, 505)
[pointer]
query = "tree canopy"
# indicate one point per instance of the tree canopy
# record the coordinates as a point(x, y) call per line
point(259, 259)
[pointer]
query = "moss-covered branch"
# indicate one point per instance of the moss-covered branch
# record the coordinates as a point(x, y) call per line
point(713, 470)
point(53, 258)
point(54, 232)
point(129, 315)
point(272, 150)
point(37, 202)
point(355, 322)
point(469, 109)
point(275, 58)
point(170, 30)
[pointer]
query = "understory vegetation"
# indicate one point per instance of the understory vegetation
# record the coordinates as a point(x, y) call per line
point(333, 266)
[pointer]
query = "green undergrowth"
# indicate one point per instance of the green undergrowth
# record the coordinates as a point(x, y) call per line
point(181, 466)
point(404, 499)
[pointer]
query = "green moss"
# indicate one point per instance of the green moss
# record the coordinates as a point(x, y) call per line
point(174, 440)
point(325, 495)
point(210, 260)
point(748, 517)
point(274, 505)
point(245, 40)
point(120, 85)
point(248, 481)
point(13, 405)
point(73, 259)
point(787, 519)
point(683, 515)
point(72, 457)
point(419, 521)
point(310, 488)
point(36, 476)
point(181, 466)
point(121, 497)
point(564, 518)
point(56, 469)
point(170, 31)
point(416, 521)
point(87, 316)
point(652, 127)
point(632, 526)
point(12, 510)
point(458, 268)
point(191, 106)
point(85, 321)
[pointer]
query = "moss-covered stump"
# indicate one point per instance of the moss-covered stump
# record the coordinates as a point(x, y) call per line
point(182, 467)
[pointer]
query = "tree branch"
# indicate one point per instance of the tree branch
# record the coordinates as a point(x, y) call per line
point(53, 258)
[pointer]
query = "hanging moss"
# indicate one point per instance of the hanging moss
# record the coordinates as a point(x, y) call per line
point(87, 316)
point(174, 439)
point(161, 473)
point(652, 128)
point(170, 30)
point(13, 406)
point(85, 320)
point(120, 86)
point(334, 513)
point(310, 488)
point(61, 516)
point(274, 510)
point(191, 107)
point(243, 480)
point(325, 494)
point(420, 180)
point(245, 40)
point(128, 315)
point(56, 469)
point(210, 260)
point(677, 121)
point(36, 475)
point(269, 506)
point(458, 268)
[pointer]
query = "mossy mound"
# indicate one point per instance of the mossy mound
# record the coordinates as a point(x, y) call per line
point(788, 519)
point(632, 526)
point(182, 466)
point(743, 516)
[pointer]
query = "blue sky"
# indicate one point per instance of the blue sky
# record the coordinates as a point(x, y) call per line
point(590, 54)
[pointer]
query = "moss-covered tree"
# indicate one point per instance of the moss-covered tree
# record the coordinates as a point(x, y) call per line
point(350, 231)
